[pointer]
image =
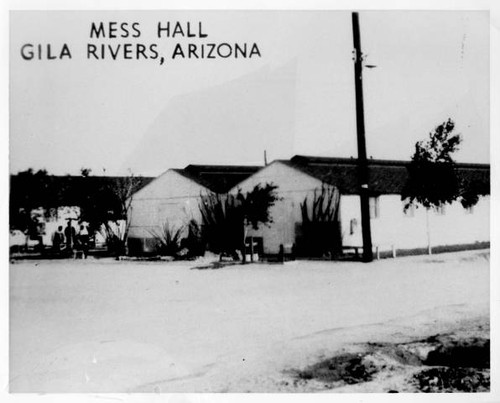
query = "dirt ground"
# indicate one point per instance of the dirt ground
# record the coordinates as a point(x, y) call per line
point(108, 326)
point(457, 360)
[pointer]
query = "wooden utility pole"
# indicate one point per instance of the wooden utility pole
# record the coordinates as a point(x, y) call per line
point(364, 192)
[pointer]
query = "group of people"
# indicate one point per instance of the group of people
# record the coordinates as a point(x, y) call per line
point(70, 242)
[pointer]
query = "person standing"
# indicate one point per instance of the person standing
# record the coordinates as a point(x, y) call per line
point(69, 233)
point(39, 233)
point(83, 240)
point(58, 240)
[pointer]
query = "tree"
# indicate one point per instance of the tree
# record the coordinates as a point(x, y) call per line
point(471, 191)
point(255, 206)
point(85, 172)
point(104, 202)
point(117, 224)
point(432, 175)
point(31, 190)
point(225, 217)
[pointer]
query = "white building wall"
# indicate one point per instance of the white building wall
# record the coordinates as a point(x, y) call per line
point(459, 225)
point(170, 198)
point(293, 187)
point(393, 227)
point(174, 198)
point(350, 220)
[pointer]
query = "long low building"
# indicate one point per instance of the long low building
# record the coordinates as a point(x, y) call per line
point(174, 198)
point(392, 228)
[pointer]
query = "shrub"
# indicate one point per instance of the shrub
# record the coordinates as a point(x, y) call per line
point(194, 241)
point(320, 228)
point(168, 240)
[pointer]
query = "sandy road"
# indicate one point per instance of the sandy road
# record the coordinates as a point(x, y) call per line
point(106, 326)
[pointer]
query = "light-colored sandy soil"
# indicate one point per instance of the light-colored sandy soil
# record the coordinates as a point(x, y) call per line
point(108, 326)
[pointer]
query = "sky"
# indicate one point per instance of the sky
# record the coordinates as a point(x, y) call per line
point(119, 116)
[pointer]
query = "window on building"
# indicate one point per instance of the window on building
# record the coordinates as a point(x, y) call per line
point(374, 207)
point(353, 226)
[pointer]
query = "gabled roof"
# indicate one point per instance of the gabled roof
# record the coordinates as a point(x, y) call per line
point(385, 176)
point(218, 178)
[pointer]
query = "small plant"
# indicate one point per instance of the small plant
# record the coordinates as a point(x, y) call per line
point(168, 239)
point(324, 205)
point(222, 222)
point(320, 226)
point(114, 235)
